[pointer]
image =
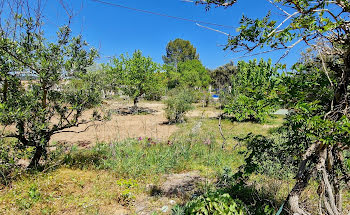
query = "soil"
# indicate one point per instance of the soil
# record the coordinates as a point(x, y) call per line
point(121, 125)
point(150, 122)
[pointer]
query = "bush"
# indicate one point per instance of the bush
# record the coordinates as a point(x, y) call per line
point(254, 91)
point(178, 104)
point(9, 154)
point(213, 202)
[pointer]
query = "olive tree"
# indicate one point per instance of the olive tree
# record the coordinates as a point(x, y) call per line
point(46, 103)
point(326, 126)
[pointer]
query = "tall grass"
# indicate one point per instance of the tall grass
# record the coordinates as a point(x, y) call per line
point(143, 158)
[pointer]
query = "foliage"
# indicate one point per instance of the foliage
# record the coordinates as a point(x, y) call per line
point(307, 82)
point(9, 153)
point(158, 157)
point(178, 51)
point(157, 90)
point(324, 124)
point(272, 156)
point(190, 73)
point(215, 202)
point(254, 91)
point(178, 104)
point(137, 75)
point(221, 77)
point(30, 106)
point(193, 74)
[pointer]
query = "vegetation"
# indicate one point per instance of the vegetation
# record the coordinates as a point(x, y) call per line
point(136, 75)
point(293, 164)
point(221, 77)
point(178, 51)
point(108, 176)
point(178, 104)
point(190, 73)
point(324, 125)
point(31, 107)
point(254, 91)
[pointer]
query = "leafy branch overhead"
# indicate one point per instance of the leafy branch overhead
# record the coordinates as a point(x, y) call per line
point(301, 21)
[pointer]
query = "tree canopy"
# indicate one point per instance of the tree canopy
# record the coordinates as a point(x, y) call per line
point(136, 75)
point(30, 106)
point(190, 73)
point(178, 51)
point(254, 91)
point(221, 76)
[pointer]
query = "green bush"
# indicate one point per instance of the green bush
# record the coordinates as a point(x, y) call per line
point(214, 202)
point(254, 91)
point(9, 154)
point(178, 104)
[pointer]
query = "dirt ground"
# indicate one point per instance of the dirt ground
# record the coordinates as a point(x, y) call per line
point(121, 126)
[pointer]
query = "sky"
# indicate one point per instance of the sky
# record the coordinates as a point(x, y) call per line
point(115, 30)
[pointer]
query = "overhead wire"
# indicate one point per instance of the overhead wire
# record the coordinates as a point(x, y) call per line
point(161, 14)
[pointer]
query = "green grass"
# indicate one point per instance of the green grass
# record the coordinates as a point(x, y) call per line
point(110, 176)
point(146, 158)
point(229, 129)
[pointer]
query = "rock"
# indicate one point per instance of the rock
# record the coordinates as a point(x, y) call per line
point(165, 209)
point(179, 184)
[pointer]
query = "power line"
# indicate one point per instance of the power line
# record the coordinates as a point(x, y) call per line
point(160, 14)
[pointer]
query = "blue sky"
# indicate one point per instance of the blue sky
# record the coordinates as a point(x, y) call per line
point(113, 30)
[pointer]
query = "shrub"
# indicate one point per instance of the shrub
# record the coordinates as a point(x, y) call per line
point(213, 202)
point(254, 91)
point(178, 104)
point(9, 155)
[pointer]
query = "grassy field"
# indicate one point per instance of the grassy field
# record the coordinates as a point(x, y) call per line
point(113, 177)
point(110, 178)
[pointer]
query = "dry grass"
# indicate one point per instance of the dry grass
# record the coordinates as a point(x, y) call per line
point(67, 191)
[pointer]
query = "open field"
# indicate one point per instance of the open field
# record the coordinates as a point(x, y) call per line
point(112, 174)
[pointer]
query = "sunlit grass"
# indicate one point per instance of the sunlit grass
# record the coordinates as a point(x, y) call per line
point(65, 191)
point(97, 180)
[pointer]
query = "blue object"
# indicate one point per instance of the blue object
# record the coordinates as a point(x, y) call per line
point(280, 210)
point(215, 96)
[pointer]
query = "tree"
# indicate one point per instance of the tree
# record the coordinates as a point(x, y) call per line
point(221, 76)
point(254, 91)
point(44, 106)
point(193, 74)
point(178, 51)
point(136, 75)
point(326, 126)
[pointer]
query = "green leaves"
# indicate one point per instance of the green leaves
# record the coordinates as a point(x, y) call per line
point(254, 91)
point(215, 203)
point(178, 51)
point(135, 75)
point(37, 89)
point(178, 104)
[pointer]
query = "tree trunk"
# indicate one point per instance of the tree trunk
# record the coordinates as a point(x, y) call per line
point(39, 152)
point(44, 103)
point(136, 101)
point(5, 90)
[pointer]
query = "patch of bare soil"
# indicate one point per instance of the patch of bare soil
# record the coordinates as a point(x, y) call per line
point(121, 125)
point(204, 112)
point(175, 188)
